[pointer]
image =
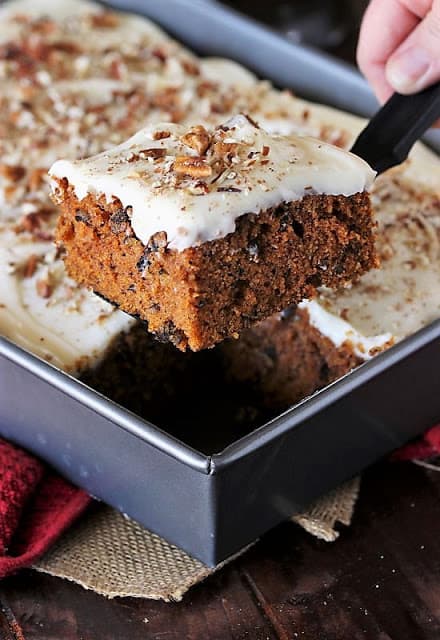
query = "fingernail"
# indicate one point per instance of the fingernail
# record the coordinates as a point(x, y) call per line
point(405, 71)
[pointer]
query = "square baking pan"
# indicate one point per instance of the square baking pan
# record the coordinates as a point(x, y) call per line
point(212, 499)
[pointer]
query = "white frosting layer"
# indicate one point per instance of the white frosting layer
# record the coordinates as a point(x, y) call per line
point(264, 171)
point(129, 26)
point(341, 332)
point(227, 72)
point(37, 8)
point(71, 328)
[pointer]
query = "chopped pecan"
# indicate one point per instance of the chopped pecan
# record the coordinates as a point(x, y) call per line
point(32, 221)
point(9, 192)
point(205, 87)
point(116, 70)
point(43, 25)
point(251, 120)
point(36, 179)
point(159, 135)
point(159, 53)
point(30, 266)
point(200, 188)
point(12, 172)
point(176, 114)
point(166, 99)
point(44, 288)
point(337, 137)
point(66, 47)
point(190, 67)
point(46, 236)
point(225, 149)
point(193, 166)
point(198, 139)
point(153, 153)
point(104, 20)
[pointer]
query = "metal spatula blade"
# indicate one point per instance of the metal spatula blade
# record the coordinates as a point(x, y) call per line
point(388, 138)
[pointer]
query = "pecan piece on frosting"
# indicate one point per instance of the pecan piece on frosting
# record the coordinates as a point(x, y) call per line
point(30, 266)
point(160, 135)
point(193, 166)
point(12, 172)
point(36, 179)
point(104, 20)
point(198, 139)
point(44, 288)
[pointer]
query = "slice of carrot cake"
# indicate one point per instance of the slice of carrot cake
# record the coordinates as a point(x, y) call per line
point(203, 232)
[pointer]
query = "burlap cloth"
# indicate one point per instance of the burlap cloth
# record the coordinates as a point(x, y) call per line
point(114, 556)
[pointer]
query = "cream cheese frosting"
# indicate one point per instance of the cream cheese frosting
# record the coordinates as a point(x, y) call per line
point(161, 176)
point(47, 313)
point(341, 332)
point(66, 11)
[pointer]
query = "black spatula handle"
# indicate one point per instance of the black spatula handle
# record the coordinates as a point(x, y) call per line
point(388, 138)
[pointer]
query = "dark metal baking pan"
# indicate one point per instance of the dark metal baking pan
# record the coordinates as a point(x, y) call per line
point(212, 504)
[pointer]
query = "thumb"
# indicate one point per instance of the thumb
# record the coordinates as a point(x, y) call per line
point(415, 65)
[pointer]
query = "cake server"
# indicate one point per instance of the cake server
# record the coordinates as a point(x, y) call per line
point(388, 138)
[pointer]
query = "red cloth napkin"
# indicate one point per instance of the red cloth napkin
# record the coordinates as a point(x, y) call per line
point(428, 446)
point(36, 506)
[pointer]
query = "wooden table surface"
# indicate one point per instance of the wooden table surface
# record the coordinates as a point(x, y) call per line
point(379, 581)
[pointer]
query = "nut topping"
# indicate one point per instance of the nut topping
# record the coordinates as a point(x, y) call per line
point(105, 20)
point(30, 266)
point(193, 166)
point(44, 288)
point(160, 135)
point(12, 172)
point(153, 153)
point(36, 179)
point(198, 139)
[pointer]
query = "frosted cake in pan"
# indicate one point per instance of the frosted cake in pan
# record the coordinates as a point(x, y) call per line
point(72, 84)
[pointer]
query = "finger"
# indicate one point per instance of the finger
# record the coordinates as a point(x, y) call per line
point(386, 24)
point(419, 7)
point(415, 64)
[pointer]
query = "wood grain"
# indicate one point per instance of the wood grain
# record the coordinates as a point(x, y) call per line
point(9, 626)
point(379, 581)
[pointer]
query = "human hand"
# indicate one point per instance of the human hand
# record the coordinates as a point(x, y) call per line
point(399, 46)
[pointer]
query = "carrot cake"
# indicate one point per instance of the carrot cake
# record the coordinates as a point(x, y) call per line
point(203, 232)
point(78, 80)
